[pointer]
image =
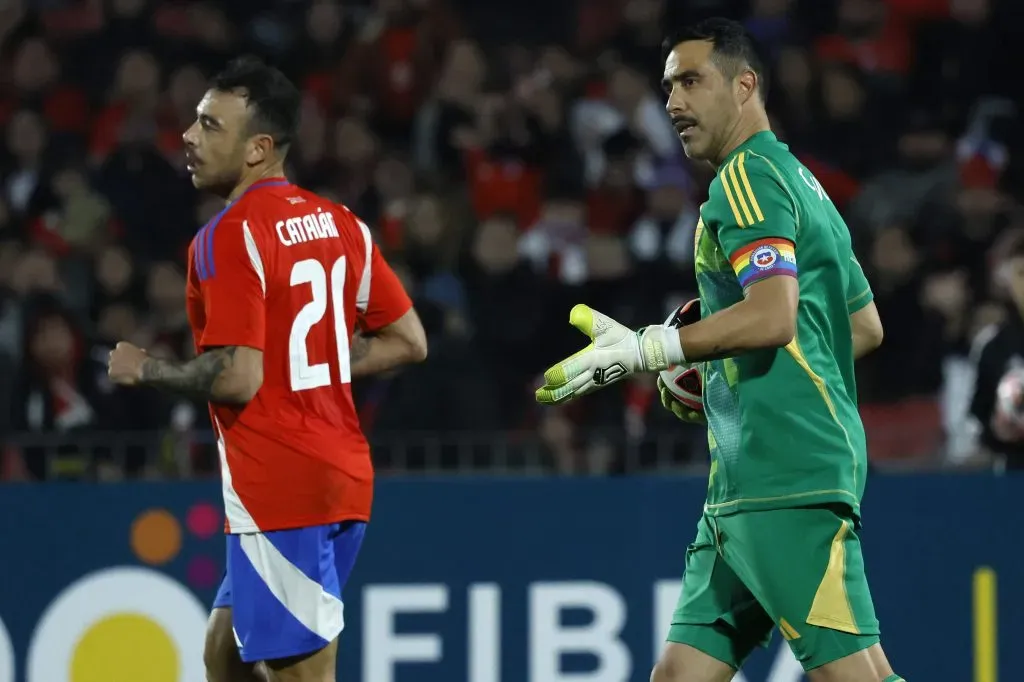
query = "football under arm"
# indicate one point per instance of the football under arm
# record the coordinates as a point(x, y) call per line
point(402, 342)
point(228, 375)
point(765, 318)
point(867, 330)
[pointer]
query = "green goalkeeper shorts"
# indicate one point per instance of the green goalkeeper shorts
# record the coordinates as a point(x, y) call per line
point(800, 570)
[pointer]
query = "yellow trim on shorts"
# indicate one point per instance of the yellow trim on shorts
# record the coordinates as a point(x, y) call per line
point(789, 633)
point(831, 606)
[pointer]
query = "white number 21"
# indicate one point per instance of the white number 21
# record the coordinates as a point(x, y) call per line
point(303, 375)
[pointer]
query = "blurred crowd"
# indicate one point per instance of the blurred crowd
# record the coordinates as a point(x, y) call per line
point(513, 160)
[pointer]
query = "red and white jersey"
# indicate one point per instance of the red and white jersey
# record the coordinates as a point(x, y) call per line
point(289, 273)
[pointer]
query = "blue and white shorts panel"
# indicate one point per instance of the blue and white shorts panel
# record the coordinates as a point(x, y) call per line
point(284, 588)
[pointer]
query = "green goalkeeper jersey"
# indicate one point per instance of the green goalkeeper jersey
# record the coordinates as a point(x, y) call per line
point(783, 425)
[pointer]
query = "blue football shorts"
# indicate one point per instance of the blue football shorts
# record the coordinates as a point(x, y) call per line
point(284, 588)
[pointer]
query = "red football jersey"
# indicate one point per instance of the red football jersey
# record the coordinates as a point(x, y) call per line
point(287, 272)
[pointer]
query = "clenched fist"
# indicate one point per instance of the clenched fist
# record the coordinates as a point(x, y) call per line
point(125, 364)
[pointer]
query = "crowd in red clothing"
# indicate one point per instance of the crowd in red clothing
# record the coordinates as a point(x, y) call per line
point(512, 162)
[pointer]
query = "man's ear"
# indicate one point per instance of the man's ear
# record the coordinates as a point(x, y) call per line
point(260, 148)
point(746, 85)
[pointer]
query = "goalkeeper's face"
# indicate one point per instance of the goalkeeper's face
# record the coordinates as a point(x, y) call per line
point(216, 145)
point(702, 101)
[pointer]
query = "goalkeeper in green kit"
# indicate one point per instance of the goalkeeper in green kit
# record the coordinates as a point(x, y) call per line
point(784, 311)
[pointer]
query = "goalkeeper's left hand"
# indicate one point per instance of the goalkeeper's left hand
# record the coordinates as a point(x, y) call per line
point(615, 352)
point(682, 412)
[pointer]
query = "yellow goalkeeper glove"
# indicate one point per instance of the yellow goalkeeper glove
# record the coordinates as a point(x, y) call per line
point(681, 411)
point(614, 353)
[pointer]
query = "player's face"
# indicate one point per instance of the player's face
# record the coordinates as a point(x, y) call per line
point(701, 100)
point(216, 145)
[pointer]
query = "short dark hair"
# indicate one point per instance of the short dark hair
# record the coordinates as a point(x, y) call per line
point(273, 98)
point(733, 47)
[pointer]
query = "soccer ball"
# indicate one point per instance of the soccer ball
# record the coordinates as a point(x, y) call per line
point(1008, 416)
point(684, 381)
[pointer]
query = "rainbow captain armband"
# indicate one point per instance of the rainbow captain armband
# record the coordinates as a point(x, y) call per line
point(763, 258)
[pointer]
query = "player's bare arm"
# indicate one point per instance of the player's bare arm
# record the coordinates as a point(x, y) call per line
point(400, 343)
point(765, 318)
point(867, 330)
point(228, 375)
point(231, 374)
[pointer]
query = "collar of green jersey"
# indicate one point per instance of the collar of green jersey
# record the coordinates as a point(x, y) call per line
point(765, 136)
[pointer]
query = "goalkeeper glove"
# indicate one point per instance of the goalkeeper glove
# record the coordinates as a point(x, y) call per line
point(615, 353)
point(682, 411)
point(680, 387)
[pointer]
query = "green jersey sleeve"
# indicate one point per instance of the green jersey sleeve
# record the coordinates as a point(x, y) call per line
point(858, 292)
point(757, 230)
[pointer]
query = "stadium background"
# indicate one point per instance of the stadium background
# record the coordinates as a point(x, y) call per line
point(513, 159)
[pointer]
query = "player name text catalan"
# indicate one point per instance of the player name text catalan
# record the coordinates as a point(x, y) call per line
point(306, 228)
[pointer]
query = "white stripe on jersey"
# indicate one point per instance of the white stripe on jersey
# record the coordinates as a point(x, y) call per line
point(363, 293)
point(254, 255)
point(239, 518)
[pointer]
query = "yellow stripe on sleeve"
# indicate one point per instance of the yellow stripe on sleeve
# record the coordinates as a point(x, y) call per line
point(741, 165)
point(858, 297)
point(731, 171)
point(732, 202)
point(782, 183)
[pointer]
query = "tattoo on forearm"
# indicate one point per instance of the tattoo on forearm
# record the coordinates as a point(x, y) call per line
point(195, 377)
point(359, 348)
